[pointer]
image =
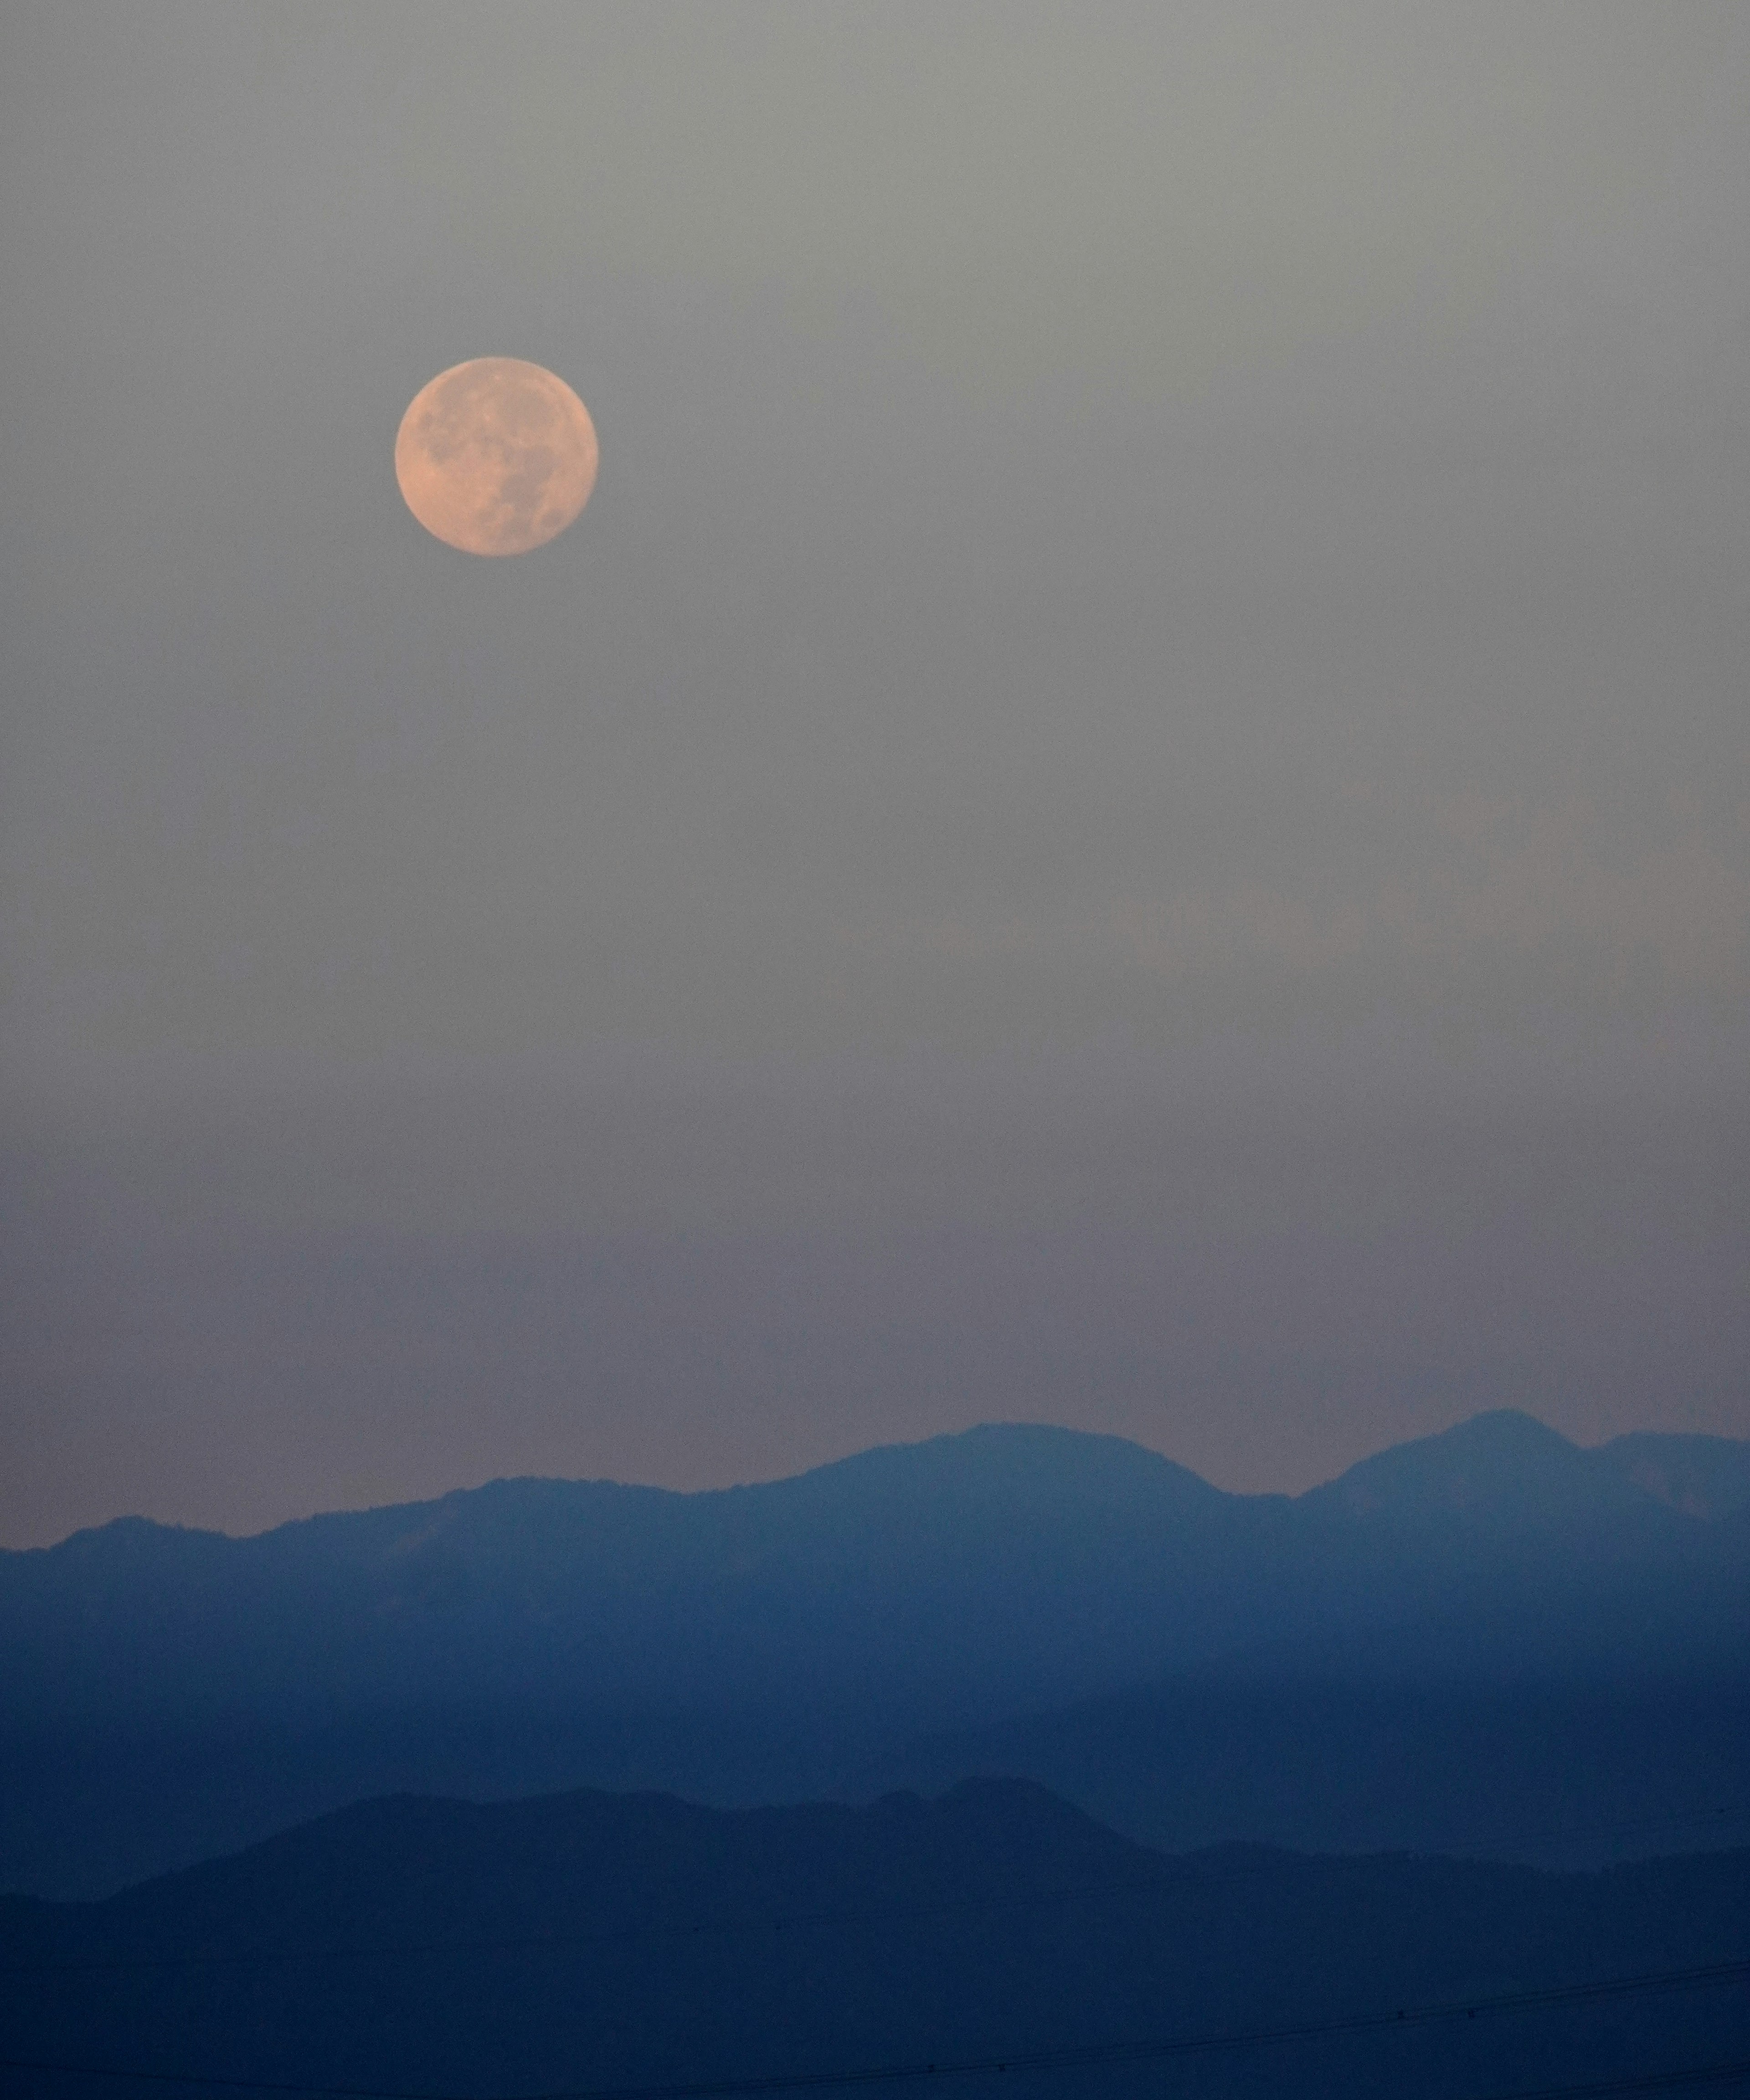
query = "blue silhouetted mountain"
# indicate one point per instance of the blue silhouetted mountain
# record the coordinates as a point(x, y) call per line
point(1545, 1771)
point(166, 1692)
point(1505, 1471)
point(1704, 1477)
point(591, 1942)
point(1004, 1564)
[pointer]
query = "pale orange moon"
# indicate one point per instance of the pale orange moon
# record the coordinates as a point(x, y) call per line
point(496, 456)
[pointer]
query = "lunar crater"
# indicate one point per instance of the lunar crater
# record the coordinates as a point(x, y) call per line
point(496, 456)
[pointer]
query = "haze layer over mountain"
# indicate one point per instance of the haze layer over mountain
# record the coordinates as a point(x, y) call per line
point(782, 1641)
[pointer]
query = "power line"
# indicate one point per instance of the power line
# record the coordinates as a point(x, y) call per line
point(1082, 2058)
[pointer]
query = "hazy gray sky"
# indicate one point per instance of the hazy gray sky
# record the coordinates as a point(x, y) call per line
point(1131, 803)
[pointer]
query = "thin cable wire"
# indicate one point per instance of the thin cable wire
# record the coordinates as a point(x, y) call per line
point(1087, 2056)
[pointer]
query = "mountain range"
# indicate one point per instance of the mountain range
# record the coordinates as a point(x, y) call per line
point(1407, 1655)
point(589, 1943)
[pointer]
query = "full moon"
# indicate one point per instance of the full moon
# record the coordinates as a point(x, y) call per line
point(496, 456)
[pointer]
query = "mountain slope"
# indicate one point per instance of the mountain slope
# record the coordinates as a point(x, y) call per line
point(1552, 1774)
point(1703, 1476)
point(1004, 1563)
point(167, 1694)
point(594, 1941)
point(1010, 1564)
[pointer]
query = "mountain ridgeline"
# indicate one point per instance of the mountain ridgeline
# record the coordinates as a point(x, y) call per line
point(1193, 1665)
point(590, 1941)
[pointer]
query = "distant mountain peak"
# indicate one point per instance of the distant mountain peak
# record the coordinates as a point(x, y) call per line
point(1501, 1466)
point(1002, 1455)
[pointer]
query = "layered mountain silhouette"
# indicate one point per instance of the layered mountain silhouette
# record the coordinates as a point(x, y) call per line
point(591, 1942)
point(1194, 1665)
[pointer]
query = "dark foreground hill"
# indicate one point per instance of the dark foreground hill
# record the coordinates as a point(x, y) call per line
point(1544, 1770)
point(166, 1695)
point(588, 1941)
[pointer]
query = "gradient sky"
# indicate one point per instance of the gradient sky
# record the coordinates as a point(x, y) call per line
point(1129, 806)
